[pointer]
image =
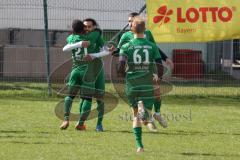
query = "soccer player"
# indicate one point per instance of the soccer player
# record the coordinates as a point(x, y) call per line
point(83, 74)
point(141, 56)
point(78, 69)
point(128, 36)
point(90, 26)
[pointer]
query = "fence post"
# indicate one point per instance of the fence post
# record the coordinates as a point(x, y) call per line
point(47, 46)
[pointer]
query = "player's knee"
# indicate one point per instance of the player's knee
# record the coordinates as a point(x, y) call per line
point(68, 98)
point(136, 119)
point(136, 122)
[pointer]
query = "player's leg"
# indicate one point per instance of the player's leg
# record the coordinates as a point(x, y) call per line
point(137, 129)
point(73, 88)
point(80, 106)
point(146, 117)
point(148, 98)
point(100, 89)
point(144, 108)
point(67, 110)
point(85, 111)
point(157, 106)
point(137, 125)
point(87, 90)
point(100, 108)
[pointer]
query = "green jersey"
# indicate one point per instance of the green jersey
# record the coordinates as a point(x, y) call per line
point(96, 41)
point(128, 36)
point(141, 55)
point(78, 53)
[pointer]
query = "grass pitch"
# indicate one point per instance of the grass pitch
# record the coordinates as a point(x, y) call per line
point(200, 127)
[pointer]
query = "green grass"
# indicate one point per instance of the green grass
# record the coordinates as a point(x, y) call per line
point(202, 125)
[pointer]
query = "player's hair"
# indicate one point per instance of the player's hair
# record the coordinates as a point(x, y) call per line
point(77, 26)
point(133, 14)
point(139, 26)
point(94, 22)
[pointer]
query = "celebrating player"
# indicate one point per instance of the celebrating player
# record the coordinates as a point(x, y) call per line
point(128, 36)
point(78, 69)
point(140, 56)
point(84, 73)
point(90, 26)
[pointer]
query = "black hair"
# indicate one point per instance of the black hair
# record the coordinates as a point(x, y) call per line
point(133, 14)
point(94, 22)
point(77, 26)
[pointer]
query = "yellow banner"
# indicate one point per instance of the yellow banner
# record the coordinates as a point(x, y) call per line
point(193, 20)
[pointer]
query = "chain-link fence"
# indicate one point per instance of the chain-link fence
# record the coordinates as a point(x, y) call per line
point(198, 66)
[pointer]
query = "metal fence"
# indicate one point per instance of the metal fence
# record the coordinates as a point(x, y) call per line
point(22, 44)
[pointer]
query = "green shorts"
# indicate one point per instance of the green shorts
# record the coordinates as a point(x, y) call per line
point(81, 79)
point(95, 69)
point(140, 93)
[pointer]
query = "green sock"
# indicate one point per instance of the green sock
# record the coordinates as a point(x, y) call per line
point(157, 105)
point(67, 107)
point(138, 136)
point(81, 106)
point(86, 108)
point(100, 108)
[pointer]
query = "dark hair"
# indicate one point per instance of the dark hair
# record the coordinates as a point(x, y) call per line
point(77, 26)
point(133, 14)
point(94, 22)
point(91, 20)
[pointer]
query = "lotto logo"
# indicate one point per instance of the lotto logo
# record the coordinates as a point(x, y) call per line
point(195, 15)
point(164, 15)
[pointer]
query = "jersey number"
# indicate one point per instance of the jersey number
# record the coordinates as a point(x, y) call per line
point(137, 58)
point(77, 53)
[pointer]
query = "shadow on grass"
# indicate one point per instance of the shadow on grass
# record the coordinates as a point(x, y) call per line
point(24, 142)
point(205, 133)
point(17, 132)
point(209, 154)
point(147, 132)
point(176, 133)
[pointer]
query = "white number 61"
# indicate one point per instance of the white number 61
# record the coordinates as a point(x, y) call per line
point(137, 59)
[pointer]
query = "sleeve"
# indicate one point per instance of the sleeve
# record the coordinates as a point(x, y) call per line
point(151, 39)
point(100, 54)
point(156, 54)
point(68, 39)
point(70, 47)
point(122, 41)
point(123, 50)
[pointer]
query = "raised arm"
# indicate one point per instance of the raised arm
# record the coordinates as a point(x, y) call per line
point(81, 44)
